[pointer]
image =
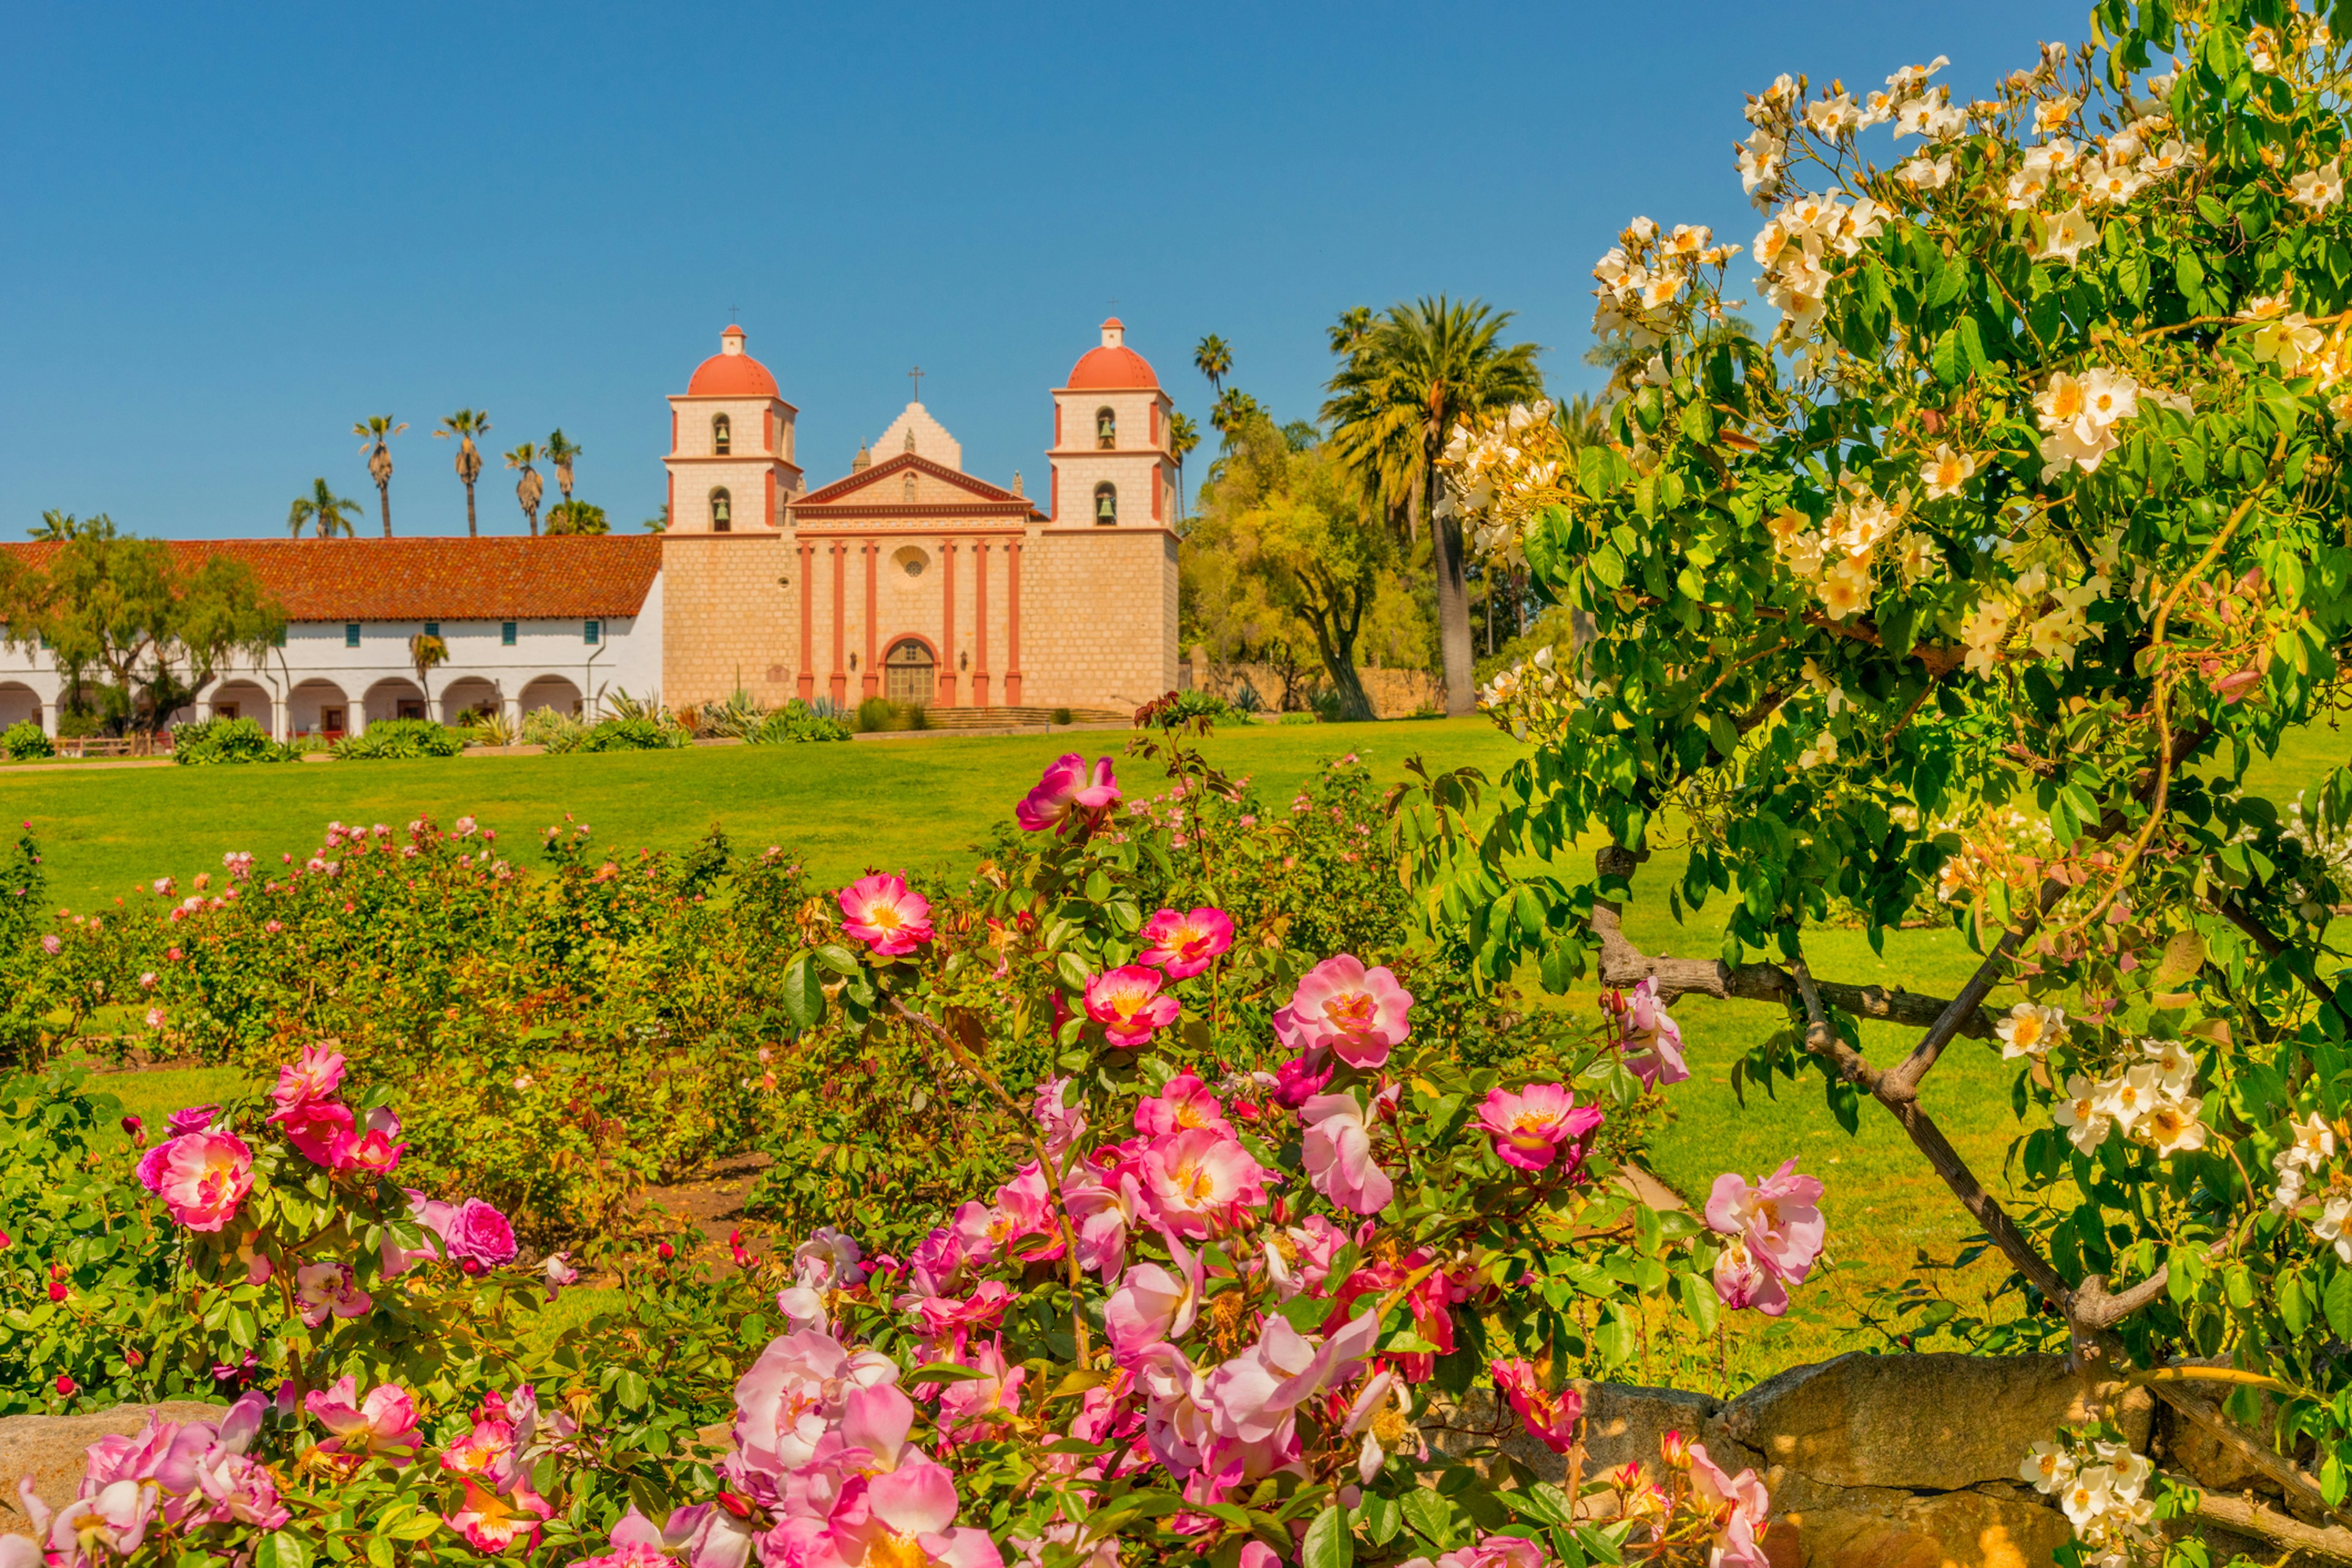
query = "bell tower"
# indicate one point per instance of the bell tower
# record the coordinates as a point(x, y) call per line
point(1111, 466)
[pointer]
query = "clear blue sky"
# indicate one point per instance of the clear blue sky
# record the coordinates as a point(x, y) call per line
point(226, 233)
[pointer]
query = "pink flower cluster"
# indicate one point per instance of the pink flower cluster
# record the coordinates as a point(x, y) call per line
point(493, 1458)
point(323, 1128)
point(1182, 946)
point(883, 914)
point(1341, 1007)
point(201, 1175)
point(822, 1475)
point(1775, 1232)
point(1538, 1125)
point(1549, 1418)
point(1649, 1042)
point(183, 1475)
point(1068, 796)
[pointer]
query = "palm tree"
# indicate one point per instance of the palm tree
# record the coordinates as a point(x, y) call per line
point(1182, 436)
point(324, 510)
point(1213, 360)
point(374, 432)
point(464, 426)
point(1418, 370)
point(1233, 411)
point(577, 517)
point(562, 454)
point(56, 527)
point(530, 487)
point(1350, 329)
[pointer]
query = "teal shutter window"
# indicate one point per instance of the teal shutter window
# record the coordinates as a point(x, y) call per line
point(506, 634)
point(351, 634)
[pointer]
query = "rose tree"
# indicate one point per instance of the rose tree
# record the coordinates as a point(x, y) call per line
point(1984, 586)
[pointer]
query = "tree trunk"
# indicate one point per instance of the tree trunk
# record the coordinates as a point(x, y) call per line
point(472, 530)
point(1453, 605)
point(383, 495)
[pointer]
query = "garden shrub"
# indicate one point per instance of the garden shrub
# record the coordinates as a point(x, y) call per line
point(24, 742)
point(400, 739)
point(638, 734)
point(1202, 1338)
point(876, 714)
point(558, 732)
point(795, 722)
point(220, 740)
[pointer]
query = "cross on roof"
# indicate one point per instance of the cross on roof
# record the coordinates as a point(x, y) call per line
point(916, 375)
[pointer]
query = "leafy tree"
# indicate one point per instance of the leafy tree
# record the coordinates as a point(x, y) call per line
point(659, 521)
point(376, 432)
point(158, 624)
point(57, 527)
point(1213, 360)
point(530, 487)
point(564, 453)
point(578, 517)
point(1415, 374)
point(1293, 526)
point(1986, 590)
point(322, 511)
point(1183, 438)
point(462, 427)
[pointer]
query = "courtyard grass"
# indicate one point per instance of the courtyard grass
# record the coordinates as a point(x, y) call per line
point(928, 804)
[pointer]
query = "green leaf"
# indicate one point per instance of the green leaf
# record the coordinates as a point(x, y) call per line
point(1329, 1543)
point(944, 1372)
point(282, 1548)
point(1382, 1519)
point(803, 992)
point(2337, 1301)
point(838, 959)
point(1431, 1516)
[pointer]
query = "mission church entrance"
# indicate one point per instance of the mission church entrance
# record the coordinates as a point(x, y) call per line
point(907, 672)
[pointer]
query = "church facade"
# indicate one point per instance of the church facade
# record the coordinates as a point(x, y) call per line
point(905, 578)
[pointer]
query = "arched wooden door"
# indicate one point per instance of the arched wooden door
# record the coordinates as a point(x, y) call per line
point(907, 672)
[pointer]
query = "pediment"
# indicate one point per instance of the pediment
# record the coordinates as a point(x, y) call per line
point(885, 484)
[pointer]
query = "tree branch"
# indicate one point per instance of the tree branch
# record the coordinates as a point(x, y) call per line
point(2243, 1513)
point(1625, 967)
point(2238, 915)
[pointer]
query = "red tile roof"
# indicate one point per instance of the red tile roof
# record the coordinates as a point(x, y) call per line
point(501, 579)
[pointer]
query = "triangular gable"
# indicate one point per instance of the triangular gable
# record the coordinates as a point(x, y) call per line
point(843, 492)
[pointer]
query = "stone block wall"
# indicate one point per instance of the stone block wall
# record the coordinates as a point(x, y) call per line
point(1097, 618)
point(726, 617)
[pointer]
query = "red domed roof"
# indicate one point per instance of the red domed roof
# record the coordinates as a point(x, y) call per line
point(731, 373)
point(1114, 365)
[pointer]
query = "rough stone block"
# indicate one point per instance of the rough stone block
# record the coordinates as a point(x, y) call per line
point(50, 1448)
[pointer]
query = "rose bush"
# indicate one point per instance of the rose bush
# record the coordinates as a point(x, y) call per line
point(1250, 1239)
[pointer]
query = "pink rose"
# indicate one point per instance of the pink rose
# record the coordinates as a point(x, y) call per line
point(1067, 795)
point(1358, 1015)
point(323, 1290)
point(192, 1119)
point(316, 1074)
point(1183, 1102)
point(1195, 1180)
point(1339, 1154)
point(1548, 1418)
point(1531, 1128)
point(1740, 1280)
point(492, 1522)
point(52, 946)
point(477, 1236)
point(880, 912)
point(316, 1127)
point(1776, 1218)
point(1126, 1001)
point(383, 1424)
point(1651, 1041)
point(1296, 1082)
point(1185, 944)
point(202, 1177)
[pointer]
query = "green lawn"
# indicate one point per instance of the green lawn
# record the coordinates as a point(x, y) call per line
point(926, 805)
point(918, 804)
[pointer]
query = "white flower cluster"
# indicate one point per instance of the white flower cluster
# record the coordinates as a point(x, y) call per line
point(1914, 107)
point(2031, 1030)
point(1530, 697)
point(2103, 1487)
point(2053, 613)
point(2149, 1102)
point(2313, 1146)
point(2078, 416)
point(1837, 558)
point(1498, 470)
point(1793, 249)
point(2297, 345)
point(1646, 276)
